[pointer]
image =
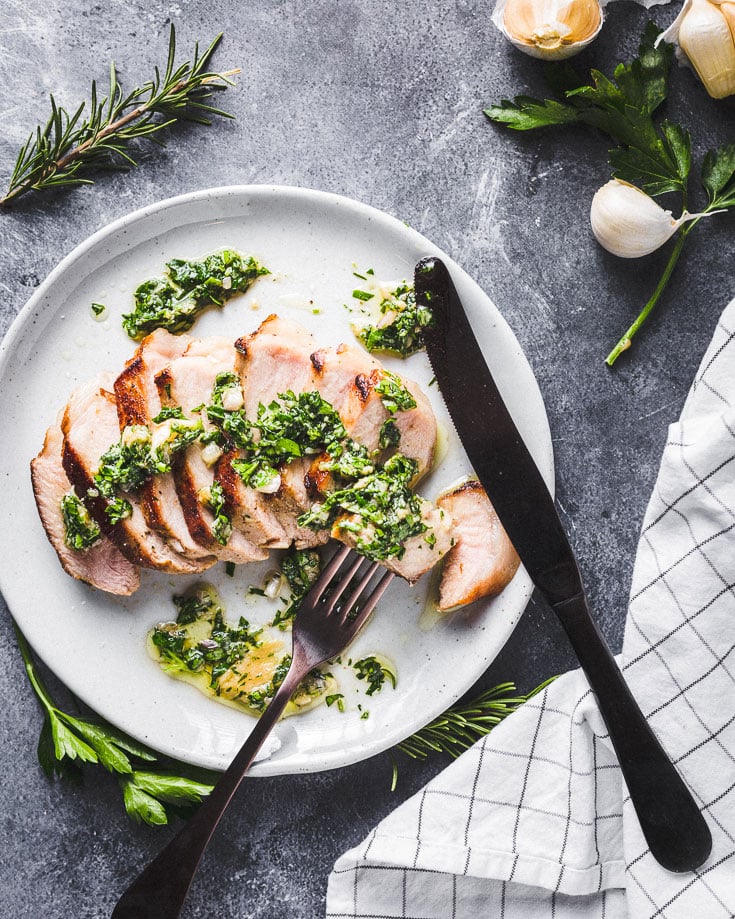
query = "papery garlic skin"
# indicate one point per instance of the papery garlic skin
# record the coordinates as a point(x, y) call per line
point(704, 36)
point(628, 222)
point(551, 29)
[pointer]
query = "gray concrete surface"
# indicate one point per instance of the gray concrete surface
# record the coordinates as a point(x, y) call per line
point(382, 102)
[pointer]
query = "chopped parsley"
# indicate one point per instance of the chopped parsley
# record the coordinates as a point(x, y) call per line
point(173, 302)
point(200, 601)
point(215, 501)
point(379, 510)
point(80, 531)
point(224, 646)
point(301, 568)
point(375, 673)
point(399, 328)
point(126, 465)
point(389, 435)
point(118, 509)
point(394, 394)
point(337, 697)
point(290, 427)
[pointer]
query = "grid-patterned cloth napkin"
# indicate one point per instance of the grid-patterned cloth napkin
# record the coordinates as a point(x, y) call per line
point(534, 820)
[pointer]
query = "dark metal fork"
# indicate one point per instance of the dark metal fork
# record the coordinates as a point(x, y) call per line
point(330, 616)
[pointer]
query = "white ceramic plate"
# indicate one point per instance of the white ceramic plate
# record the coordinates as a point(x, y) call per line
point(312, 242)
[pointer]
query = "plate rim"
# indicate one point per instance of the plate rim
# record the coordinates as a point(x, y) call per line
point(362, 210)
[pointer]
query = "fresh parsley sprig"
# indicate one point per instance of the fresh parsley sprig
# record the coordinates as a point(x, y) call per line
point(67, 742)
point(654, 155)
point(72, 144)
point(463, 724)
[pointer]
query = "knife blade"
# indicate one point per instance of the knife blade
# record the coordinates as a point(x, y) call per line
point(672, 824)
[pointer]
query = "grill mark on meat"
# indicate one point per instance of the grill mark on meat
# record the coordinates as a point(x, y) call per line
point(363, 386)
point(88, 422)
point(188, 382)
point(138, 402)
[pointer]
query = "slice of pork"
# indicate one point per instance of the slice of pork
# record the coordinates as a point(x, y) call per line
point(278, 357)
point(483, 560)
point(188, 382)
point(272, 360)
point(421, 553)
point(102, 565)
point(90, 426)
point(346, 377)
point(138, 402)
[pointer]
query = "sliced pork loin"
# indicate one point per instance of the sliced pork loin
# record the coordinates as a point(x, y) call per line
point(280, 356)
point(138, 402)
point(102, 565)
point(90, 426)
point(346, 377)
point(187, 382)
point(421, 553)
point(483, 560)
point(272, 360)
point(252, 513)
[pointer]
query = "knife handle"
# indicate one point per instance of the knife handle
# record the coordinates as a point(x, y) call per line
point(670, 819)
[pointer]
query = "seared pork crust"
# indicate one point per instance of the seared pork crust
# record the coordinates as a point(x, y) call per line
point(483, 560)
point(89, 425)
point(102, 565)
point(138, 403)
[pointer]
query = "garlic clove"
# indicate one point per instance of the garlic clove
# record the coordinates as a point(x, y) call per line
point(628, 222)
point(704, 35)
point(549, 29)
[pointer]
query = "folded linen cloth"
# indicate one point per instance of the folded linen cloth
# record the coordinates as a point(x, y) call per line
point(534, 820)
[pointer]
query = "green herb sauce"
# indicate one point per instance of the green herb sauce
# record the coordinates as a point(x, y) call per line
point(379, 510)
point(174, 301)
point(235, 664)
point(398, 331)
point(126, 465)
point(375, 672)
point(80, 531)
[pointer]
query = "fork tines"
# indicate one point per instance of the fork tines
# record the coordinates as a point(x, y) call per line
point(344, 588)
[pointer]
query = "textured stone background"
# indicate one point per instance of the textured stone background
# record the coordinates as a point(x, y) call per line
point(382, 102)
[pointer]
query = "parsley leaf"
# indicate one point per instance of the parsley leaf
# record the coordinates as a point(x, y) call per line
point(654, 156)
point(718, 176)
point(67, 742)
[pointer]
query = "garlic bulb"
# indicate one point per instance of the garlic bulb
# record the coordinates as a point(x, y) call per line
point(704, 35)
point(628, 222)
point(550, 29)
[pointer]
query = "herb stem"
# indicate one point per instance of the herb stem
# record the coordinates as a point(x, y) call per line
point(72, 144)
point(115, 126)
point(627, 338)
point(38, 687)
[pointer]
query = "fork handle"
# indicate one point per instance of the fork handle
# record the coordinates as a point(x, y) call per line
point(160, 889)
point(670, 819)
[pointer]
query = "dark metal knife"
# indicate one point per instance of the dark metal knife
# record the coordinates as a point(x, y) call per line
point(672, 824)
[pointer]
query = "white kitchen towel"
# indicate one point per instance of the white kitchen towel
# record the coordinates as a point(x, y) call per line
point(534, 820)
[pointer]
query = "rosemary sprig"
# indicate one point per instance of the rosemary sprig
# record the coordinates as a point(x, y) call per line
point(463, 724)
point(68, 147)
